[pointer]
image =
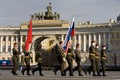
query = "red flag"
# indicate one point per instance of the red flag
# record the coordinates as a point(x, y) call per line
point(29, 37)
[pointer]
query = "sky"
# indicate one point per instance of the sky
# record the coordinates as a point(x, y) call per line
point(15, 12)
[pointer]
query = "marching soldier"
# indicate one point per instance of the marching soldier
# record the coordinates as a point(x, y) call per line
point(97, 59)
point(92, 57)
point(70, 58)
point(38, 59)
point(27, 62)
point(78, 59)
point(61, 58)
point(103, 59)
point(15, 59)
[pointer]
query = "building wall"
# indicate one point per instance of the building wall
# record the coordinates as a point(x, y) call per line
point(103, 34)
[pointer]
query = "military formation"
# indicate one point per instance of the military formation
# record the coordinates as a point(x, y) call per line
point(65, 59)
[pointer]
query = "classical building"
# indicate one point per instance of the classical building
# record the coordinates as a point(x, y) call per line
point(50, 26)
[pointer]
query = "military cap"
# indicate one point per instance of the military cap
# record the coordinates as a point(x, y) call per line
point(92, 41)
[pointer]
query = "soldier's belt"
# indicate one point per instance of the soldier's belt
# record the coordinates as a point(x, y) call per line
point(92, 54)
point(40, 58)
point(97, 57)
point(103, 57)
point(27, 57)
point(69, 54)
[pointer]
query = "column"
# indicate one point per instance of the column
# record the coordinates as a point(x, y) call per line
point(11, 43)
point(94, 35)
point(62, 37)
point(104, 38)
point(84, 42)
point(89, 40)
point(16, 39)
point(1, 45)
point(79, 40)
point(74, 42)
point(109, 44)
point(6, 44)
point(99, 40)
point(21, 40)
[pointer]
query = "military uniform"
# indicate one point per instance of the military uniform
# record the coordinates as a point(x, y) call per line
point(78, 59)
point(38, 59)
point(103, 60)
point(92, 58)
point(97, 61)
point(70, 58)
point(60, 57)
point(27, 62)
point(15, 59)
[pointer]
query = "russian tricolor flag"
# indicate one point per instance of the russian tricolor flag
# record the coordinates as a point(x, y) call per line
point(70, 33)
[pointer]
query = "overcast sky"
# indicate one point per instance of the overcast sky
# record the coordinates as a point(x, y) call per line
point(14, 12)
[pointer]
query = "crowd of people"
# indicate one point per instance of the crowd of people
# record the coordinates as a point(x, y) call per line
point(97, 60)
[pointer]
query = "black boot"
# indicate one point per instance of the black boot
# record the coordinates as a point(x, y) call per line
point(32, 72)
point(85, 71)
point(22, 72)
point(55, 72)
point(41, 74)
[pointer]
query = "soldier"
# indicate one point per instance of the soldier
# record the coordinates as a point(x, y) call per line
point(15, 59)
point(78, 59)
point(27, 62)
point(38, 59)
point(61, 57)
point(70, 58)
point(92, 57)
point(103, 59)
point(97, 59)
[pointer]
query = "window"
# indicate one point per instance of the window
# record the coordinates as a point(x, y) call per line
point(102, 36)
point(92, 37)
point(4, 38)
point(112, 35)
point(3, 58)
point(87, 36)
point(9, 49)
point(97, 36)
point(8, 58)
point(117, 45)
point(3, 48)
point(117, 35)
point(9, 38)
point(14, 38)
point(107, 35)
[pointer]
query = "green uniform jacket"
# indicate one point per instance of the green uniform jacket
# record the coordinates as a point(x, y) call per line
point(70, 57)
point(92, 52)
point(97, 55)
point(38, 58)
point(103, 55)
point(61, 54)
point(15, 53)
point(27, 58)
point(77, 55)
